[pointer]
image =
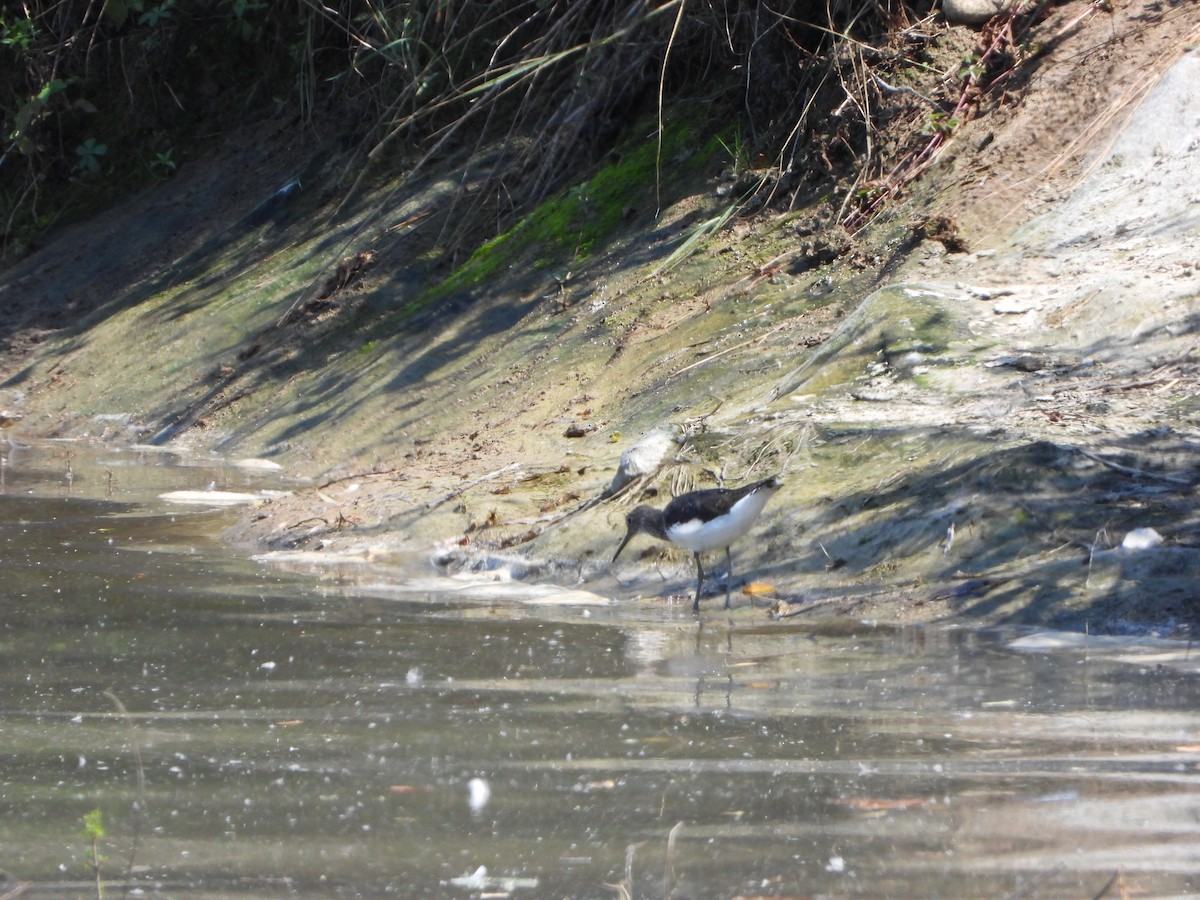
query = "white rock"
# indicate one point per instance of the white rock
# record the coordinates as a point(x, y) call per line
point(643, 458)
point(973, 12)
point(1141, 539)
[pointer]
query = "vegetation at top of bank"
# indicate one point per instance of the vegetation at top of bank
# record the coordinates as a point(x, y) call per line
point(99, 98)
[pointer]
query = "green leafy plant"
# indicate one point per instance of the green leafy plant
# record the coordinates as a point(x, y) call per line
point(162, 164)
point(94, 832)
point(19, 35)
point(243, 10)
point(29, 113)
point(739, 154)
point(940, 123)
point(972, 67)
point(118, 11)
point(156, 14)
point(90, 153)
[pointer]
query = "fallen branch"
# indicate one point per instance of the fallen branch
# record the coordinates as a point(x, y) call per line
point(434, 504)
point(358, 475)
point(969, 585)
point(784, 609)
point(140, 776)
point(1129, 470)
point(720, 353)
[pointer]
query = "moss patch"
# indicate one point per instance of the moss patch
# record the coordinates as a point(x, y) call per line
point(581, 220)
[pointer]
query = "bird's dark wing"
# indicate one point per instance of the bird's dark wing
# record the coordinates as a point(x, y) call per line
point(710, 503)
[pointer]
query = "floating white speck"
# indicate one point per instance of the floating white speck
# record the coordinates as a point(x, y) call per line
point(413, 677)
point(268, 666)
point(480, 880)
point(479, 793)
point(836, 864)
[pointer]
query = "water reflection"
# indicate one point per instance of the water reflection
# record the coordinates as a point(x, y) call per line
point(245, 731)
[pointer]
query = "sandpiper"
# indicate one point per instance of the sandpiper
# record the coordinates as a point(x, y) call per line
point(703, 520)
point(8, 419)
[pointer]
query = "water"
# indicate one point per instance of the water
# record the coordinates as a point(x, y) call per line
point(249, 732)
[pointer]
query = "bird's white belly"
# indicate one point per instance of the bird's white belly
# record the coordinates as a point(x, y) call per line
point(699, 536)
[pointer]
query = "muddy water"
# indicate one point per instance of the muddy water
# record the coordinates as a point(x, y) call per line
point(245, 731)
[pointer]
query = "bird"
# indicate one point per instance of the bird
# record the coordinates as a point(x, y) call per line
point(703, 520)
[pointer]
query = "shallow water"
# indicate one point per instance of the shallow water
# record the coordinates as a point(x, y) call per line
point(248, 731)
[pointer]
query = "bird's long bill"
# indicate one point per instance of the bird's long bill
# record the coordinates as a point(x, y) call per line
point(630, 533)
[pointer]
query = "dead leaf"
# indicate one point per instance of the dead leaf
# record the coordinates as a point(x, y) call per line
point(757, 588)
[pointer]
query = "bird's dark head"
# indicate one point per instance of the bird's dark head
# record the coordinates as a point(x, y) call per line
point(642, 519)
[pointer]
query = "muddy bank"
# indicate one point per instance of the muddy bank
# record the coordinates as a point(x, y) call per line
point(970, 419)
point(1012, 439)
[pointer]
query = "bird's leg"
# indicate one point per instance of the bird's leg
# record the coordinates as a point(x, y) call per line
point(729, 576)
point(699, 582)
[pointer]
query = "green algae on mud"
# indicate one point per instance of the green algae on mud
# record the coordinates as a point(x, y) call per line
point(577, 223)
point(900, 328)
